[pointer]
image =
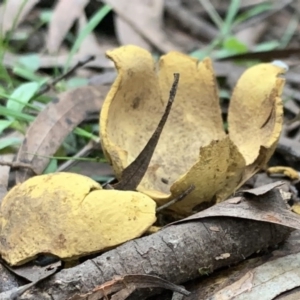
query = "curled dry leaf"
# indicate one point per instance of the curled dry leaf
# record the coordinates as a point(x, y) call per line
point(263, 189)
point(69, 215)
point(193, 147)
point(144, 17)
point(63, 16)
point(12, 13)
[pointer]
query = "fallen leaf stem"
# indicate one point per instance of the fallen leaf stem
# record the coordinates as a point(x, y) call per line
point(17, 165)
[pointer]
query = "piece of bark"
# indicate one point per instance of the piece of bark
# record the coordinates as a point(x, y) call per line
point(124, 286)
point(205, 288)
point(176, 253)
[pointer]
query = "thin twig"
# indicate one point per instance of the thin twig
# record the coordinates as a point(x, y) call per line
point(17, 165)
point(83, 152)
point(177, 199)
point(45, 88)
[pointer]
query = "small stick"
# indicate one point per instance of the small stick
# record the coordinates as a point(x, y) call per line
point(45, 88)
point(17, 165)
point(177, 199)
point(83, 152)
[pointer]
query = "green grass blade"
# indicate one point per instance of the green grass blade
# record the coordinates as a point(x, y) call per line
point(6, 112)
point(27, 74)
point(231, 14)
point(83, 133)
point(5, 124)
point(52, 166)
point(23, 94)
point(8, 142)
point(266, 46)
point(4, 75)
point(290, 32)
point(90, 26)
point(250, 13)
point(30, 61)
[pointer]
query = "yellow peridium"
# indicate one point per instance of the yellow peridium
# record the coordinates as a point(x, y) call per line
point(193, 147)
point(69, 215)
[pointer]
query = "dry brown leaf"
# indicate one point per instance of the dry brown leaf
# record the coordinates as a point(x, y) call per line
point(259, 208)
point(13, 12)
point(69, 215)
point(264, 188)
point(145, 13)
point(54, 123)
point(63, 17)
point(193, 147)
point(127, 35)
point(145, 17)
point(33, 272)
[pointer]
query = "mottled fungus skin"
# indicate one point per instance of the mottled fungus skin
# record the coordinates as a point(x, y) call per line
point(69, 215)
point(193, 148)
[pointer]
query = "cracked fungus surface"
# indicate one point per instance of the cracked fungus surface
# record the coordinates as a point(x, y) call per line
point(69, 215)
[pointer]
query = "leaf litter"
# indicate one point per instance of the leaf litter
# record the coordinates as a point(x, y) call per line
point(259, 162)
point(175, 249)
point(64, 14)
point(31, 189)
point(105, 204)
point(252, 207)
point(147, 22)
